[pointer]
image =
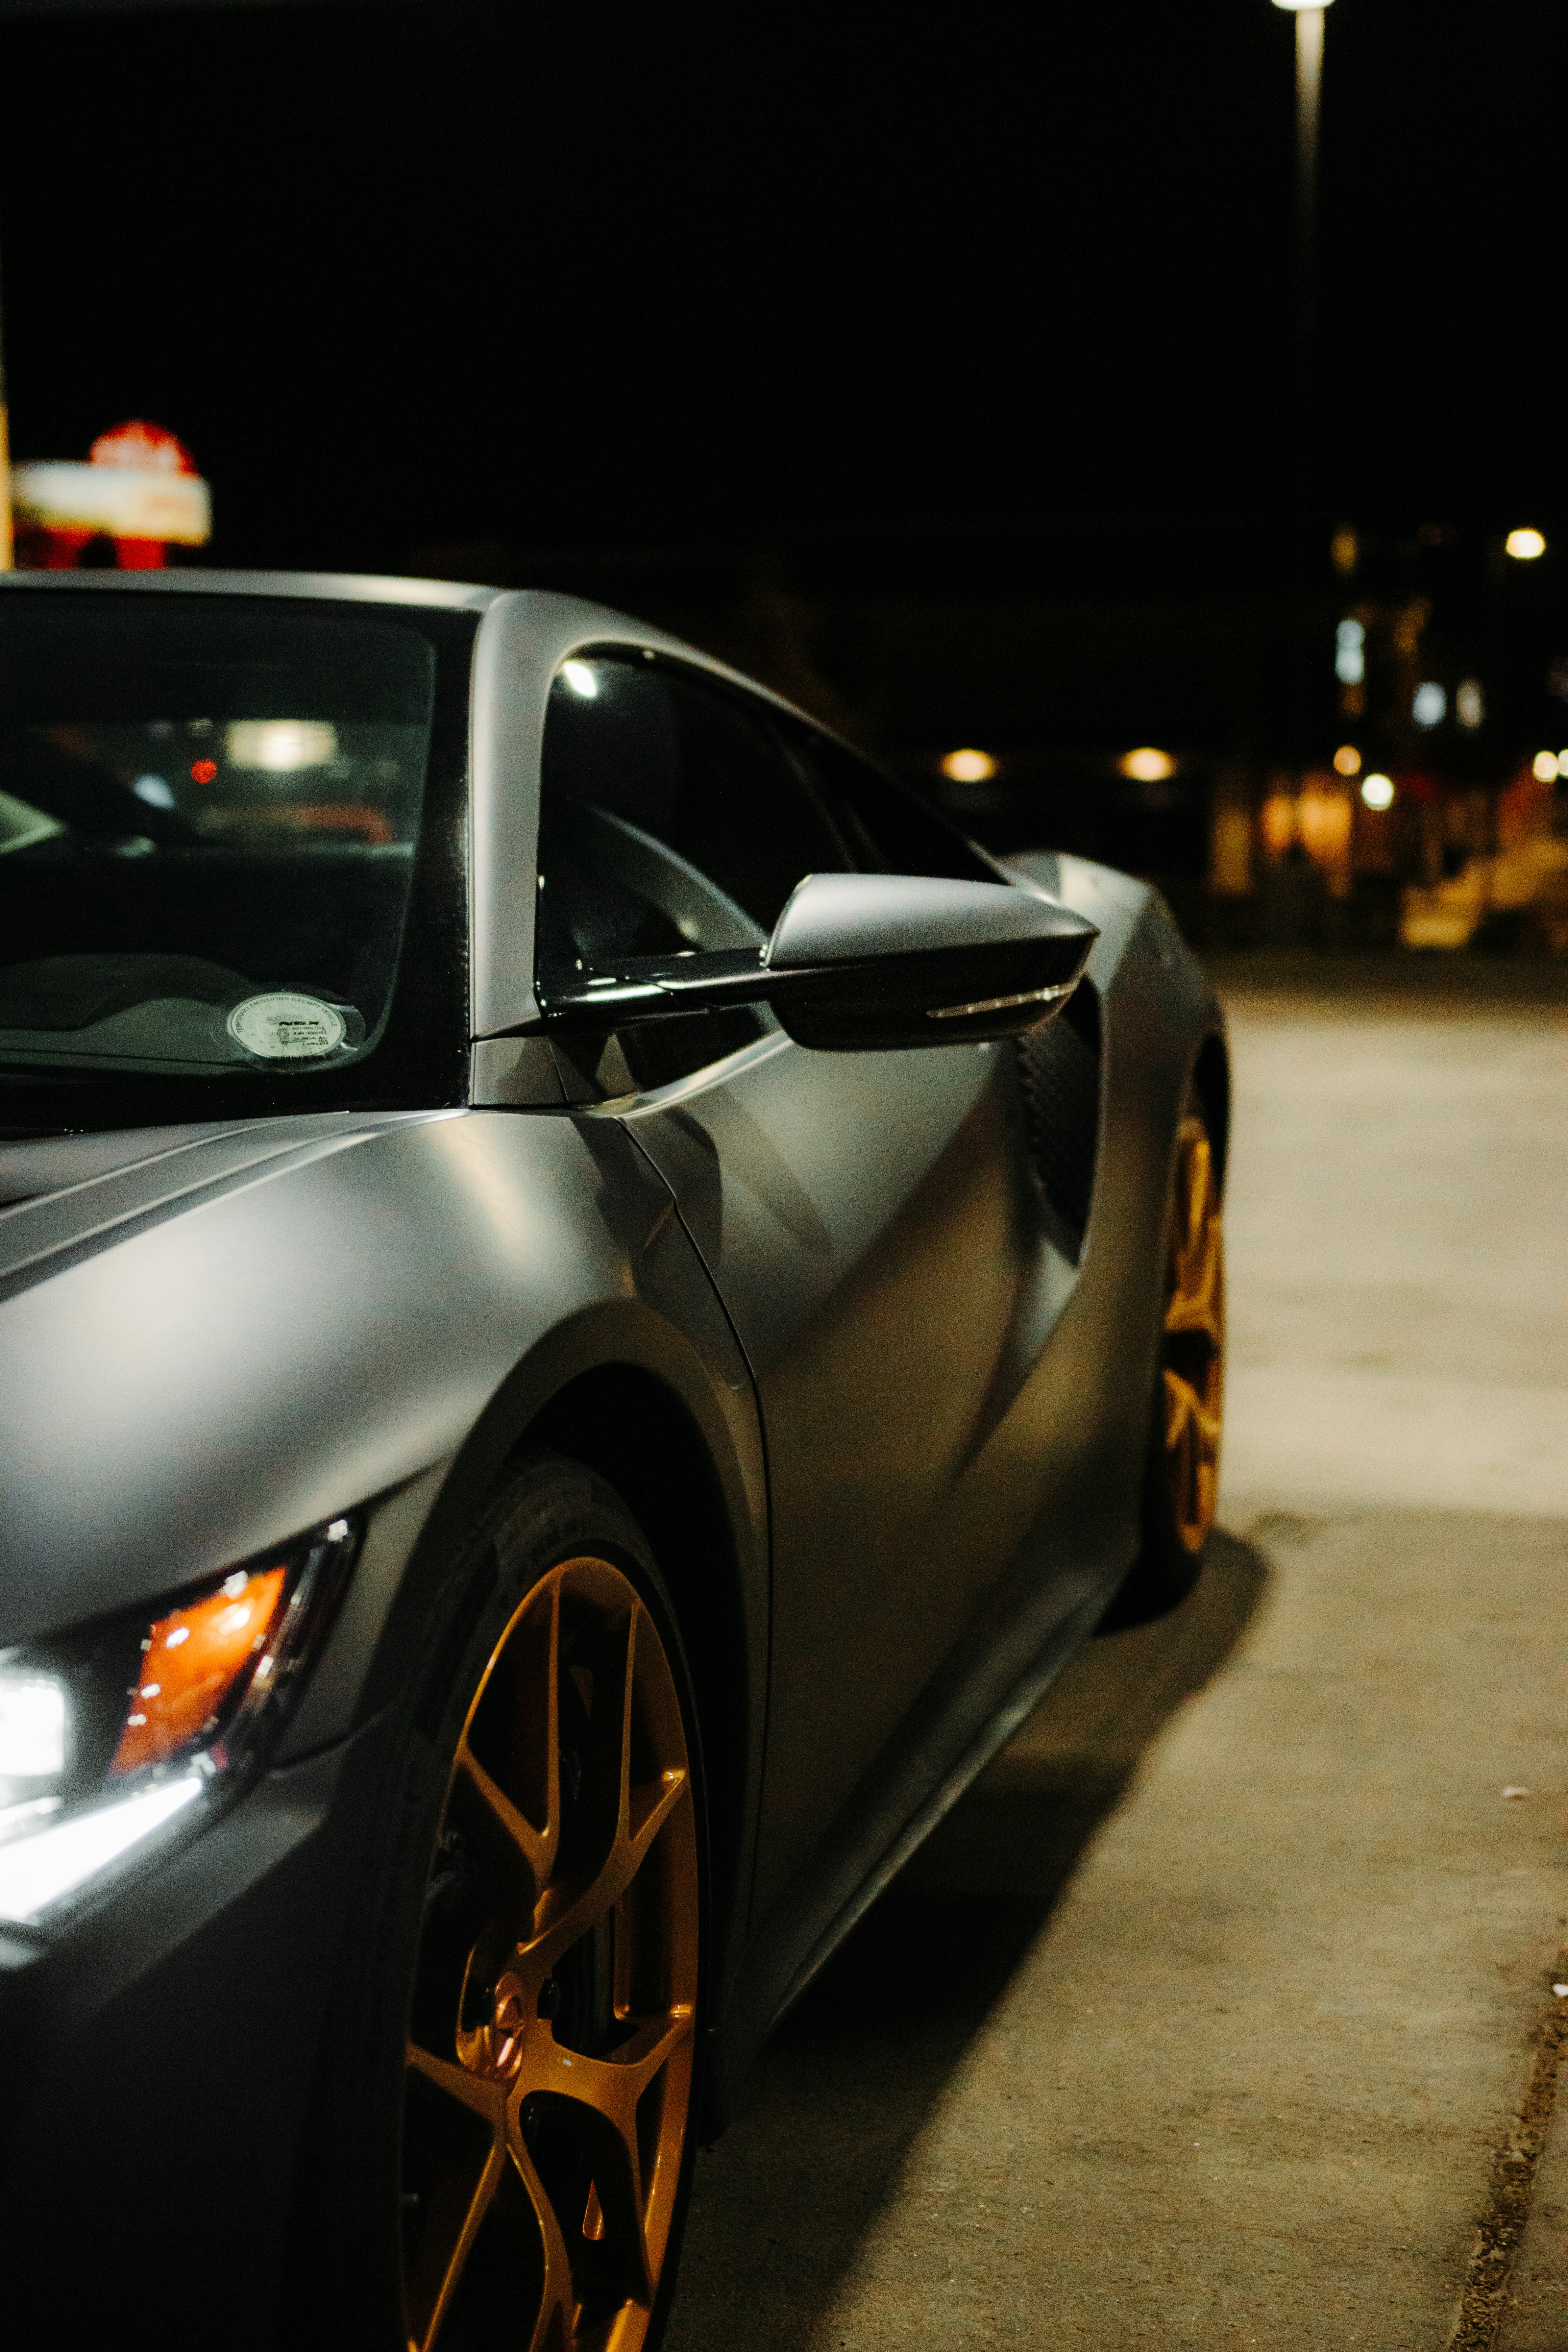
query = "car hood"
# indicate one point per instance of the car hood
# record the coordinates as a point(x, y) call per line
point(63, 1196)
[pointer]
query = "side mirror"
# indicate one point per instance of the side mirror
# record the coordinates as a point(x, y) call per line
point(860, 962)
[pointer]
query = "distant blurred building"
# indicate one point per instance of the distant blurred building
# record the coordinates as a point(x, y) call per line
point(1509, 894)
point(1123, 689)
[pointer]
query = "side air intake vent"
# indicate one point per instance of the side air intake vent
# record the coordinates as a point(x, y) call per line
point(1058, 1067)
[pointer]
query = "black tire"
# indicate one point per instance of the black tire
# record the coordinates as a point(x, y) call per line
point(1181, 1469)
point(519, 2014)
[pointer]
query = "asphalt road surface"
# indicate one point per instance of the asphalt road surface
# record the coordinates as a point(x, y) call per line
point(1208, 2016)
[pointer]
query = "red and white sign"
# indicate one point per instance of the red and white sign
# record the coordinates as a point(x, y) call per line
point(139, 488)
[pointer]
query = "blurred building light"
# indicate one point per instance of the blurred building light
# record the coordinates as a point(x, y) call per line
point(1278, 822)
point(579, 675)
point(280, 746)
point(1147, 766)
point(1470, 703)
point(969, 767)
point(1430, 705)
point(1407, 628)
point(1377, 790)
point(1524, 546)
point(1323, 819)
point(1350, 657)
point(1345, 551)
point(1347, 759)
point(1563, 763)
point(1230, 849)
point(155, 790)
point(1544, 767)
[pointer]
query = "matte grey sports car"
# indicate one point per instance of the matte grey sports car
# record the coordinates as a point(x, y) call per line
point(592, 1302)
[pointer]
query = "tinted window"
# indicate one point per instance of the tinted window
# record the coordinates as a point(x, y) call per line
point(889, 830)
point(641, 755)
point(671, 823)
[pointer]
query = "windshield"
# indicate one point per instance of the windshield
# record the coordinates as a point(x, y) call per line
point(210, 820)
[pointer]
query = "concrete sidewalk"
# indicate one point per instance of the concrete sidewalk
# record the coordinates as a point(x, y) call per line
point(1207, 2014)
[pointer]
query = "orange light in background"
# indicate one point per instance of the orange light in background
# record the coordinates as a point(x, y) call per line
point(1323, 814)
point(204, 771)
point(1230, 850)
point(193, 1659)
point(1277, 822)
point(1147, 766)
point(1347, 759)
point(969, 767)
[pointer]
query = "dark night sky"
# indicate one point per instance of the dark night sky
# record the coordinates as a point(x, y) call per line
point(562, 277)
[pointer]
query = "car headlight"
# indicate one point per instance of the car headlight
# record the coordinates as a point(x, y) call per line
point(110, 1733)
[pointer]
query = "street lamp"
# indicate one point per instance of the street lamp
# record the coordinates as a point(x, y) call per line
point(1308, 15)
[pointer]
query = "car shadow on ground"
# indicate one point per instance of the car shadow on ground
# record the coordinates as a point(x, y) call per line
point(782, 2202)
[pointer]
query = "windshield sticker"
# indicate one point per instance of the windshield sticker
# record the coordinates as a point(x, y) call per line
point(285, 1026)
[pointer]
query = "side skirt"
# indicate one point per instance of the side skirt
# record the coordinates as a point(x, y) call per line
point(839, 1888)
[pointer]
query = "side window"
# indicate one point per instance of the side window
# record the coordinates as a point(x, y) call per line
point(888, 827)
point(670, 820)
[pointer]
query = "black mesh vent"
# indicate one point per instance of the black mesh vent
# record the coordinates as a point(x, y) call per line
point(1059, 1069)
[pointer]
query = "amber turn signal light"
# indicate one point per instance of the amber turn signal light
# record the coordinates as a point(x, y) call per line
point(195, 1661)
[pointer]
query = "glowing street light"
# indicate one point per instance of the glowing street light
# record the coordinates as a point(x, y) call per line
point(1347, 759)
point(1308, 15)
point(1544, 767)
point(1524, 546)
point(1377, 790)
point(969, 767)
point(1147, 766)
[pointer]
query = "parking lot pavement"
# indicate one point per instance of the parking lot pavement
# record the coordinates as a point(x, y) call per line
point(1207, 2015)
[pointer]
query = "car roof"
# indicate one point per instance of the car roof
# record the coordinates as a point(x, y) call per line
point(335, 587)
point(576, 619)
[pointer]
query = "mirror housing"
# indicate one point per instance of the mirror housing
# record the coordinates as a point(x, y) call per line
point(868, 961)
point(864, 963)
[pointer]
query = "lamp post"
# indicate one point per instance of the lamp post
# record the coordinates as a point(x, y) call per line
point(1308, 15)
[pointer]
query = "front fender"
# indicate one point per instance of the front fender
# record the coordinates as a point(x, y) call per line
point(183, 1386)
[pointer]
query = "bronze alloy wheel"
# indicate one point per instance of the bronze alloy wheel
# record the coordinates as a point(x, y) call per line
point(550, 2037)
point(1191, 1349)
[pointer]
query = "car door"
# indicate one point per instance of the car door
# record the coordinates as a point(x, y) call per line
point(867, 1219)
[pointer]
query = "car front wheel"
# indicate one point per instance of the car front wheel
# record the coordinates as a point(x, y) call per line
point(536, 2032)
